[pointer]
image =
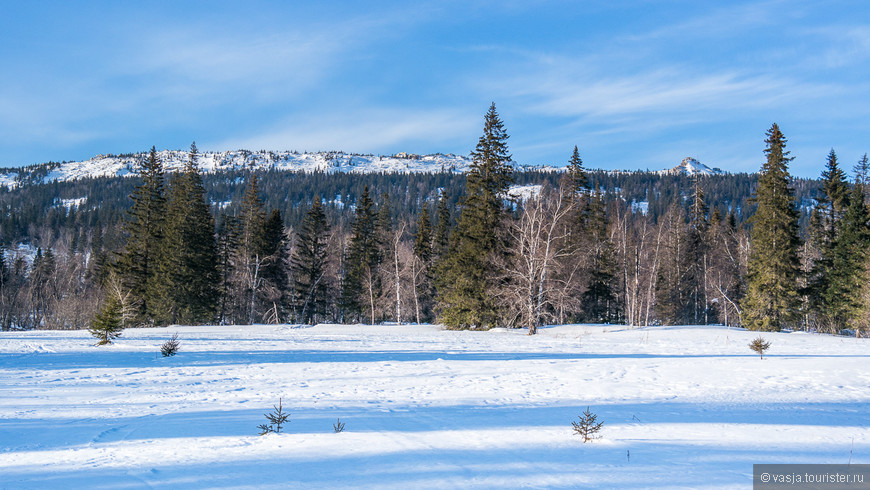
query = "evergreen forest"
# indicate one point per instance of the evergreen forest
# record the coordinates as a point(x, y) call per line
point(765, 251)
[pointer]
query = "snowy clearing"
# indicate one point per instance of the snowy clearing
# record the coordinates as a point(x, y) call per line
point(425, 408)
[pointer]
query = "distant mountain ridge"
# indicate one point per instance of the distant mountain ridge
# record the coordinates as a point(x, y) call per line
point(209, 162)
point(690, 166)
point(289, 161)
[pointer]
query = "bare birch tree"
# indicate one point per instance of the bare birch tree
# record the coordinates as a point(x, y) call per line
point(538, 242)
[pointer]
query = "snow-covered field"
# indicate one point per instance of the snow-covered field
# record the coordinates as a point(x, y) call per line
point(425, 408)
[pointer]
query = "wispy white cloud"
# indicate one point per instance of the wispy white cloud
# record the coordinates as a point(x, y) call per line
point(174, 74)
point(720, 20)
point(564, 91)
point(375, 130)
point(839, 46)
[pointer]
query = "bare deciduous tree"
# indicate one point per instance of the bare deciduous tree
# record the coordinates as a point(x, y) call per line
point(539, 244)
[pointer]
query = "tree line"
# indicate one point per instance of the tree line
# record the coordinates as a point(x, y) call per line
point(475, 258)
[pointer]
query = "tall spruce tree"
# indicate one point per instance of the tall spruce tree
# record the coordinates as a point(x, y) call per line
point(362, 285)
point(187, 288)
point(253, 218)
point(422, 267)
point(825, 228)
point(697, 260)
point(579, 185)
point(384, 225)
point(272, 248)
point(273, 294)
point(468, 274)
point(309, 265)
point(423, 236)
point(843, 303)
point(578, 182)
point(227, 243)
point(862, 176)
point(144, 228)
point(5, 300)
point(441, 238)
point(576, 172)
point(772, 299)
point(599, 302)
point(249, 259)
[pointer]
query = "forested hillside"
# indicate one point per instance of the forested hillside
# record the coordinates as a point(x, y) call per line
point(30, 211)
point(495, 246)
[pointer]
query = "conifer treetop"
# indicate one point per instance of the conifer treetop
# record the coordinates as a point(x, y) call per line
point(192, 164)
point(576, 172)
point(491, 171)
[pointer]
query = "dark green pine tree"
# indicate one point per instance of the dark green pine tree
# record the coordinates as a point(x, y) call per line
point(273, 270)
point(599, 302)
point(862, 175)
point(577, 174)
point(361, 286)
point(578, 182)
point(144, 229)
point(98, 269)
point(831, 203)
point(249, 260)
point(825, 225)
point(697, 260)
point(441, 238)
point(4, 270)
point(468, 275)
point(273, 250)
point(835, 198)
point(227, 243)
point(423, 237)
point(107, 324)
point(253, 218)
point(5, 287)
point(43, 280)
point(384, 224)
point(843, 300)
point(422, 267)
point(308, 265)
point(187, 288)
point(772, 299)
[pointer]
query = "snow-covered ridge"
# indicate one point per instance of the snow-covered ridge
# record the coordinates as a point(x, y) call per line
point(690, 166)
point(210, 162)
point(288, 161)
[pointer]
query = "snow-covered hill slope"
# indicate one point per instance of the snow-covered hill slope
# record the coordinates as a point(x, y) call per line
point(682, 407)
point(120, 166)
point(291, 161)
point(690, 166)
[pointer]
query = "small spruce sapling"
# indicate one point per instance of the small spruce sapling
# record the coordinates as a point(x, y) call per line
point(587, 427)
point(338, 426)
point(759, 345)
point(277, 418)
point(170, 347)
point(107, 324)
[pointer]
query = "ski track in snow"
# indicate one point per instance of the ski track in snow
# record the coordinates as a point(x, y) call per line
point(424, 407)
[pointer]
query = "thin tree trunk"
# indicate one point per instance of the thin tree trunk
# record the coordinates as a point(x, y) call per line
point(398, 276)
point(653, 274)
point(414, 274)
point(371, 294)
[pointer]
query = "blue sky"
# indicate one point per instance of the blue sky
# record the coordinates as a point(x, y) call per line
point(635, 84)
